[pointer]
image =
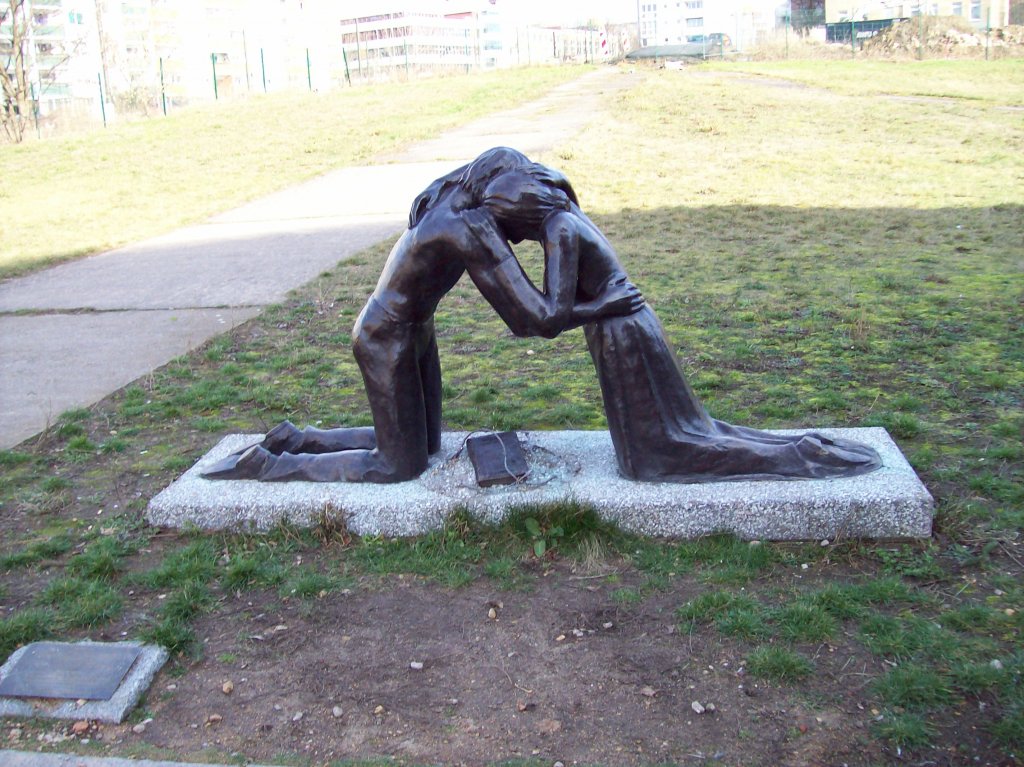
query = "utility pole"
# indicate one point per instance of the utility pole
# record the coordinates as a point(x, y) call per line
point(100, 39)
point(789, 14)
point(359, 56)
point(245, 57)
point(920, 42)
point(988, 31)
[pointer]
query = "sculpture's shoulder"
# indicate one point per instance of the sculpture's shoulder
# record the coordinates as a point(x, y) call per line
point(563, 218)
point(560, 223)
point(440, 228)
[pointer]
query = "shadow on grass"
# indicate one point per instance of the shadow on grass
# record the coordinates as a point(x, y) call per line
point(907, 319)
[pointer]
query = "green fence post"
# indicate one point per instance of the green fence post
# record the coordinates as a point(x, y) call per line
point(853, 37)
point(348, 75)
point(789, 13)
point(309, 71)
point(35, 108)
point(263, 71)
point(213, 61)
point(163, 93)
point(103, 106)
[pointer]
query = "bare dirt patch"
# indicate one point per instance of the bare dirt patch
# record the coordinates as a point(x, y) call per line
point(424, 674)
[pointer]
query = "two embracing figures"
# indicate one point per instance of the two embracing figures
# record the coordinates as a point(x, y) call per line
point(465, 222)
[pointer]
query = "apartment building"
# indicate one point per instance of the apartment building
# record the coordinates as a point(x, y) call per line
point(676, 22)
point(980, 13)
point(60, 51)
point(144, 55)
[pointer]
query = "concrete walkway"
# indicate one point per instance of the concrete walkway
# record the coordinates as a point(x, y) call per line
point(32, 759)
point(73, 334)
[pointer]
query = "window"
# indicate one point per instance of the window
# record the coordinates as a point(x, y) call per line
point(694, 4)
point(695, 22)
point(958, 9)
point(976, 10)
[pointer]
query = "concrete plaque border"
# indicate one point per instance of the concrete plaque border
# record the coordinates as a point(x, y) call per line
point(134, 684)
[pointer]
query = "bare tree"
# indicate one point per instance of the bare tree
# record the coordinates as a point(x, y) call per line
point(14, 75)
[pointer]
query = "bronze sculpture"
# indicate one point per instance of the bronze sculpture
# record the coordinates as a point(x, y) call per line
point(464, 222)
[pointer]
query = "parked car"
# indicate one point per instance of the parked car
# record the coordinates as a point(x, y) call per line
point(712, 40)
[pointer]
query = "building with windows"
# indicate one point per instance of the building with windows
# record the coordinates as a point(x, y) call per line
point(980, 13)
point(144, 55)
point(419, 38)
point(59, 48)
point(378, 45)
point(676, 22)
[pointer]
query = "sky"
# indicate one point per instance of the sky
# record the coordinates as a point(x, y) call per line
point(570, 11)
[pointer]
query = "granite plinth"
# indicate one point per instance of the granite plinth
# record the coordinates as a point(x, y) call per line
point(566, 465)
point(113, 709)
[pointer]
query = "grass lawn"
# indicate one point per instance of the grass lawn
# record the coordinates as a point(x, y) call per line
point(999, 83)
point(80, 194)
point(822, 253)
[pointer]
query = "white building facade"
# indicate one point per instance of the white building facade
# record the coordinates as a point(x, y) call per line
point(60, 49)
point(675, 22)
point(147, 55)
point(979, 13)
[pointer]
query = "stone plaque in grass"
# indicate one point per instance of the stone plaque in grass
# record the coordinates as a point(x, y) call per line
point(498, 458)
point(90, 671)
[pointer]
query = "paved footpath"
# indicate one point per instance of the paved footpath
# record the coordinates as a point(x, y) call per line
point(31, 759)
point(73, 334)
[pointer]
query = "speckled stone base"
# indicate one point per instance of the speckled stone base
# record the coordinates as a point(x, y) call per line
point(577, 465)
